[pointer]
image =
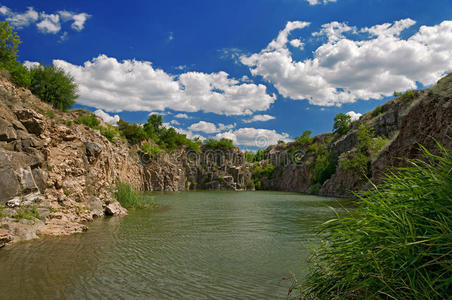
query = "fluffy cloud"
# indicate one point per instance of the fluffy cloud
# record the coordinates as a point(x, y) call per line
point(208, 127)
point(79, 20)
point(259, 118)
point(135, 85)
point(204, 126)
point(19, 20)
point(46, 23)
point(253, 137)
point(354, 115)
point(106, 117)
point(345, 69)
point(182, 116)
point(49, 23)
point(315, 2)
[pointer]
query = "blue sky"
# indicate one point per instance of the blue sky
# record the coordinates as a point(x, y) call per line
point(253, 71)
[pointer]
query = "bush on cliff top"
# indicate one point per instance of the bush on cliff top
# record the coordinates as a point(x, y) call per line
point(398, 243)
point(53, 85)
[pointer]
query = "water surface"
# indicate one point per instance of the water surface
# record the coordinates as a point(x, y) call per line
point(197, 245)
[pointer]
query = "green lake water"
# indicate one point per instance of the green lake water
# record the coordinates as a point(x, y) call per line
point(197, 245)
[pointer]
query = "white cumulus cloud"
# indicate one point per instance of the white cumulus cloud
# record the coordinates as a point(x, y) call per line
point(181, 116)
point(46, 23)
point(254, 137)
point(78, 20)
point(316, 2)
point(259, 118)
point(345, 69)
point(354, 115)
point(20, 20)
point(113, 120)
point(49, 23)
point(106, 83)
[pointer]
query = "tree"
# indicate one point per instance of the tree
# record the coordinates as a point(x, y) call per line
point(52, 84)
point(153, 125)
point(342, 124)
point(9, 43)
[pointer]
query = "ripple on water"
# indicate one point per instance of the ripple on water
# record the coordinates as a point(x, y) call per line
point(195, 246)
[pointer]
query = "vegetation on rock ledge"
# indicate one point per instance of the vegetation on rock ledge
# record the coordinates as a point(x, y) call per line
point(397, 245)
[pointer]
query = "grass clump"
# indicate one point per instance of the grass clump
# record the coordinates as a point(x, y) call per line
point(129, 197)
point(397, 245)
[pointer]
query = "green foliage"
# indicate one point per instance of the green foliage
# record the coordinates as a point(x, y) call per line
point(93, 122)
point(324, 166)
point(53, 85)
point(261, 172)
point(342, 124)
point(377, 111)
point(90, 120)
point(109, 132)
point(9, 43)
point(153, 150)
point(410, 94)
point(129, 197)
point(360, 160)
point(304, 139)
point(166, 138)
point(397, 245)
point(223, 143)
point(134, 133)
point(27, 213)
point(260, 155)
point(250, 156)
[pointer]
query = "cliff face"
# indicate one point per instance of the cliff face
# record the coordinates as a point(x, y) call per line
point(56, 174)
point(403, 124)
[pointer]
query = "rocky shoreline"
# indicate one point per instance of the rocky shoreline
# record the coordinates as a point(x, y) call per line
point(56, 174)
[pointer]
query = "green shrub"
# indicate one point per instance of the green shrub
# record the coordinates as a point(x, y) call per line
point(134, 133)
point(360, 160)
point(377, 111)
point(260, 173)
point(153, 150)
point(342, 124)
point(223, 143)
point(304, 139)
point(129, 197)
point(397, 245)
point(324, 167)
point(90, 120)
point(109, 132)
point(53, 85)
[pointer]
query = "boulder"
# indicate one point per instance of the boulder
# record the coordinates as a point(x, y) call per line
point(34, 122)
point(115, 209)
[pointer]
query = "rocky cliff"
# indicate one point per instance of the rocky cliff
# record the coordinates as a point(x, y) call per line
point(56, 174)
point(399, 126)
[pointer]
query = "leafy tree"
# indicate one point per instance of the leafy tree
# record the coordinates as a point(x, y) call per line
point(223, 143)
point(259, 155)
point(342, 124)
point(250, 156)
point(9, 43)
point(53, 85)
point(154, 125)
point(134, 133)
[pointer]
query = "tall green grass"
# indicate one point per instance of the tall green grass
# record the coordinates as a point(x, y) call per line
point(398, 245)
point(129, 197)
